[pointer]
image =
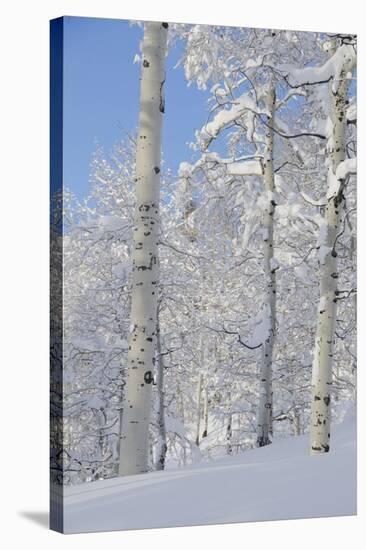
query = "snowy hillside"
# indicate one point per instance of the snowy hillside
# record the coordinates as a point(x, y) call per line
point(280, 481)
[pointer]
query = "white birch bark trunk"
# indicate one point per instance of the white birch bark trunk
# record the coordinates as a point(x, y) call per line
point(264, 419)
point(162, 443)
point(229, 428)
point(324, 339)
point(205, 412)
point(199, 391)
point(297, 422)
point(180, 402)
point(229, 435)
point(134, 447)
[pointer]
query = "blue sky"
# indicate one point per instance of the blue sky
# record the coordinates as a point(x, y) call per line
point(101, 96)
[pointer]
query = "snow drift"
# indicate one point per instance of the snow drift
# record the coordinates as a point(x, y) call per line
point(280, 481)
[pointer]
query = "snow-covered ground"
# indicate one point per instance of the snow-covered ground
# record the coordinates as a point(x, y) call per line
point(277, 482)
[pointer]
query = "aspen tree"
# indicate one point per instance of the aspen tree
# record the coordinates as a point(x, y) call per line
point(327, 308)
point(199, 409)
point(134, 448)
point(205, 411)
point(264, 419)
point(162, 444)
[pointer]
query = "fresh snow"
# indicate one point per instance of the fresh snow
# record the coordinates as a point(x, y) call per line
point(352, 112)
point(344, 56)
point(280, 481)
point(246, 168)
point(346, 167)
point(229, 115)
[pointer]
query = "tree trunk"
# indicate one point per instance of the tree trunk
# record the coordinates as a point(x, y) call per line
point(229, 434)
point(162, 444)
point(199, 391)
point(134, 450)
point(325, 332)
point(264, 421)
point(180, 405)
point(205, 412)
point(297, 423)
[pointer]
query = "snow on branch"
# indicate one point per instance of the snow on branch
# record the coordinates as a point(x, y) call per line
point(245, 168)
point(227, 116)
point(281, 129)
point(346, 168)
point(248, 346)
point(351, 113)
point(343, 59)
point(293, 92)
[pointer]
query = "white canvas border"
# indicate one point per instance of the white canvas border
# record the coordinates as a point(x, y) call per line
point(24, 234)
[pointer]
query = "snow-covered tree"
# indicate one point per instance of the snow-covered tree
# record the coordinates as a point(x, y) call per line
point(143, 319)
point(259, 219)
point(338, 72)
